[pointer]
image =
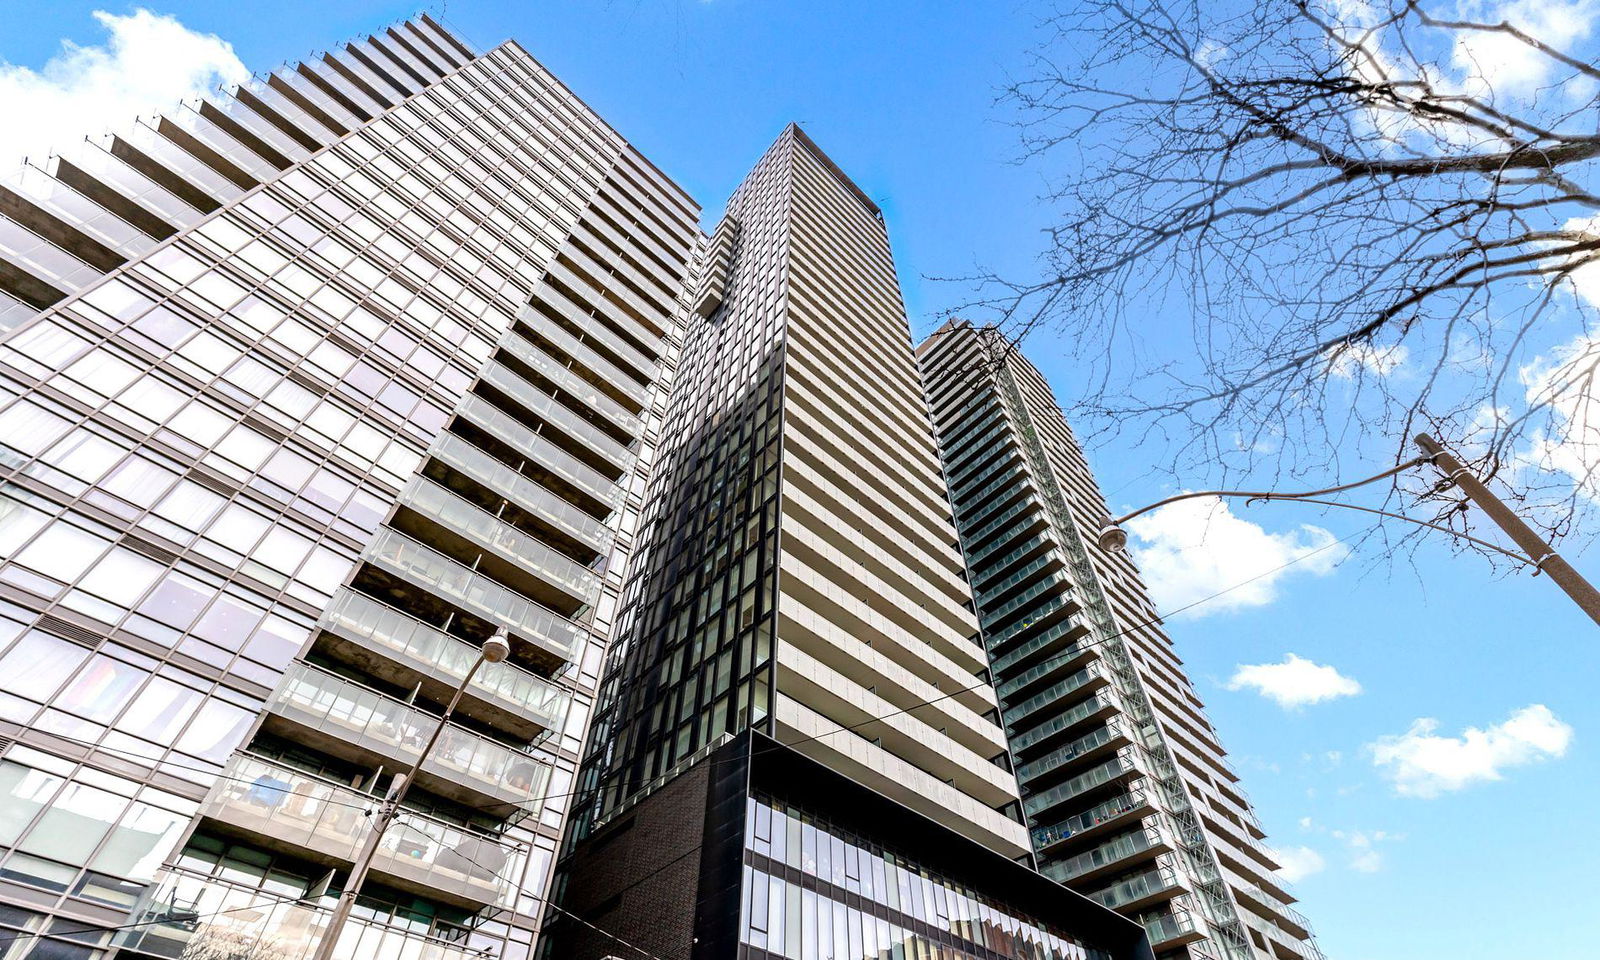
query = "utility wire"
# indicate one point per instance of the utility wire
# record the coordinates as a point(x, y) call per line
point(1068, 654)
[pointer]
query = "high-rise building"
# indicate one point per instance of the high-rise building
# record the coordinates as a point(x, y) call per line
point(1123, 782)
point(795, 752)
point(304, 393)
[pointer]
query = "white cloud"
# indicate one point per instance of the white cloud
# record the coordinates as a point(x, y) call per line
point(148, 64)
point(1353, 360)
point(1196, 548)
point(1297, 863)
point(1564, 383)
point(1363, 848)
point(1500, 64)
point(1420, 763)
point(1294, 683)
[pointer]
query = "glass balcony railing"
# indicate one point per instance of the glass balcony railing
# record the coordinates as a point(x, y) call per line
point(975, 554)
point(1040, 642)
point(357, 715)
point(592, 326)
point(1169, 927)
point(503, 427)
point(1124, 892)
point(582, 352)
point(1109, 811)
point(1003, 474)
point(1062, 721)
point(490, 533)
point(291, 806)
point(1072, 751)
point(526, 494)
point(1047, 606)
point(550, 410)
point(1053, 694)
point(1117, 767)
point(184, 917)
point(1121, 848)
point(397, 553)
point(1029, 545)
point(564, 378)
point(425, 649)
point(1029, 571)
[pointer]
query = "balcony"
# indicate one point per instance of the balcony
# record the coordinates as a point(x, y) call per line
point(1061, 726)
point(626, 383)
point(1057, 648)
point(1170, 930)
point(563, 377)
point(1274, 910)
point(1097, 820)
point(494, 603)
point(600, 446)
point(1090, 678)
point(345, 719)
point(1047, 613)
point(185, 917)
point(1110, 857)
point(542, 454)
point(409, 652)
point(524, 494)
point(512, 556)
point(1118, 770)
point(283, 808)
point(1109, 737)
point(1159, 884)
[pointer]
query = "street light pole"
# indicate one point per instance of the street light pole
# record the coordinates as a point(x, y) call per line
point(494, 650)
point(1540, 553)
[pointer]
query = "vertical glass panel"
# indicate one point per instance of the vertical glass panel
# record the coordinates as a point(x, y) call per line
point(24, 791)
point(38, 664)
point(76, 822)
point(160, 711)
point(100, 691)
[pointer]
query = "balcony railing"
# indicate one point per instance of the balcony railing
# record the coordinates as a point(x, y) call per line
point(184, 917)
point(505, 428)
point(582, 352)
point(526, 494)
point(1053, 694)
point(396, 731)
point(1145, 885)
point(1077, 748)
point(425, 649)
point(482, 597)
point(1121, 848)
point(1100, 814)
point(1169, 927)
point(564, 378)
point(495, 535)
point(290, 806)
point(1038, 643)
point(1063, 721)
point(1117, 767)
point(550, 410)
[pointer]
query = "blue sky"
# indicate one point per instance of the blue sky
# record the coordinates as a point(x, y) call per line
point(1425, 855)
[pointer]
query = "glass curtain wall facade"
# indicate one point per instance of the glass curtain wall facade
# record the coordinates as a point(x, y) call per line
point(1126, 793)
point(303, 395)
point(813, 890)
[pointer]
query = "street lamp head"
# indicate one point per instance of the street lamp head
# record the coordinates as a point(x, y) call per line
point(1113, 538)
point(497, 647)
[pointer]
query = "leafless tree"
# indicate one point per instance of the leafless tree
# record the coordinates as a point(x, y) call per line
point(1376, 212)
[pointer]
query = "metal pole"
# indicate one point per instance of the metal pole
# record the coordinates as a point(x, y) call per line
point(1539, 551)
point(494, 650)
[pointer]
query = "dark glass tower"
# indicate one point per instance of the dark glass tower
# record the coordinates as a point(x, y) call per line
point(795, 751)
